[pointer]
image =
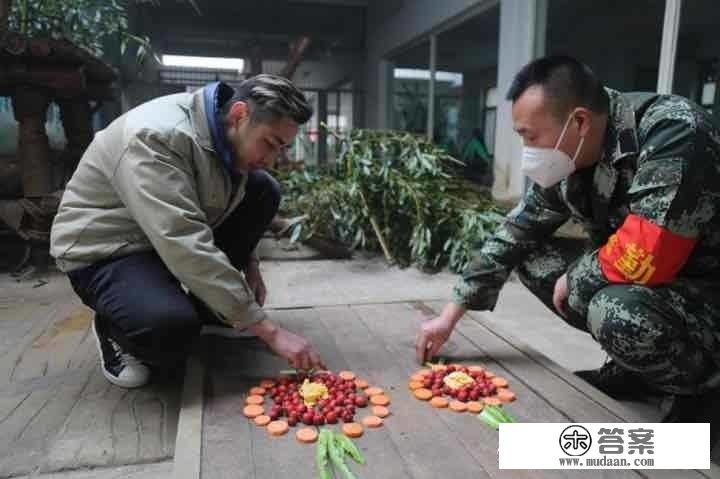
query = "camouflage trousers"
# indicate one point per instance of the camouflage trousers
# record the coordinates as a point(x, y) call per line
point(670, 335)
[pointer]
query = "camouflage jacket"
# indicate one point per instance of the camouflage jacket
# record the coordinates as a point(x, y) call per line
point(661, 161)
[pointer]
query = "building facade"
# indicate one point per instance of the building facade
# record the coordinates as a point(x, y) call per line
point(442, 68)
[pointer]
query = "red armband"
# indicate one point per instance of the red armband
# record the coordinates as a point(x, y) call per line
point(642, 252)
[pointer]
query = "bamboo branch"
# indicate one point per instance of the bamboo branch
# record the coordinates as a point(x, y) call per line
point(388, 256)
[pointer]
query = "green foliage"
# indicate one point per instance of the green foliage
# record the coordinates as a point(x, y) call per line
point(87, 23)
point(394, 192)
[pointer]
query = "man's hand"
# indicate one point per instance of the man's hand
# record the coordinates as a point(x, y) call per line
point(560, 294)
point(255, 281)
point(294, 348)
point(435, 332)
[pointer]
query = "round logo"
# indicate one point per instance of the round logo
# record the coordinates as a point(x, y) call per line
point(575, 440)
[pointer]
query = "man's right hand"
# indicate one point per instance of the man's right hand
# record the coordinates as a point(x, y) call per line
point(296, 349)
point(435, 332)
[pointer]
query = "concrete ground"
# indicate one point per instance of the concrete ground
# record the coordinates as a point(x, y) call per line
point(59, 419)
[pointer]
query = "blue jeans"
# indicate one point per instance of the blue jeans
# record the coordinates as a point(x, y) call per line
point(142, 305)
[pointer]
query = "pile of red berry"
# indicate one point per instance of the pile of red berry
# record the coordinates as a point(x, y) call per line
point(344, 397)
point(484, 384)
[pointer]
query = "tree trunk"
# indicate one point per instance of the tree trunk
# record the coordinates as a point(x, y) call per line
point(297, 49)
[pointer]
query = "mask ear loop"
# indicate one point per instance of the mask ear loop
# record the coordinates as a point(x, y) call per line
point(577, 152)
point(562, 133)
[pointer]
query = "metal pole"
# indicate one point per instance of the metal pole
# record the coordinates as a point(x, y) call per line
point(431, 88)
point(668, 47)
point(322, 132)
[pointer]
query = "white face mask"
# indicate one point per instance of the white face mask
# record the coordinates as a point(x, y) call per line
point(548, 166)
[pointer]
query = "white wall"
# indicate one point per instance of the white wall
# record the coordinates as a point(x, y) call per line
point(519, 44)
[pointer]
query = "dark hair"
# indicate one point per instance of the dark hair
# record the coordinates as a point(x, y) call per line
point(271, 98)
point(567, 82)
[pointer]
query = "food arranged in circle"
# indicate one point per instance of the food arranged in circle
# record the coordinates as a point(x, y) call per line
point(316, 399)
point(460, 388)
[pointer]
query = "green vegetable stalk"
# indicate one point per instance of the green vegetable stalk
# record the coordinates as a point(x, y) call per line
point(337, 454)
point(334, 447)
point(321, 454)
point(493, 416)
point(350, 448)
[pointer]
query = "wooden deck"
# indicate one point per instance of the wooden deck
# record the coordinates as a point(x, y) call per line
point(57, 411)
point(60, 419)
point(376, 341)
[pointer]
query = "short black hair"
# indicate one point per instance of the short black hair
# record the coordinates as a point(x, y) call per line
point(271, 97)
point(567, 82)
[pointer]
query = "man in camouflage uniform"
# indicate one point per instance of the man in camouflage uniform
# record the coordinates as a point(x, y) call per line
point(644, 182)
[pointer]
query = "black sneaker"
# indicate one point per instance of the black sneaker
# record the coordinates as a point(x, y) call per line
point(118, 367)
point(617, 382)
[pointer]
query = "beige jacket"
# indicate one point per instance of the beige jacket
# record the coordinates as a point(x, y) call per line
point(152, 180)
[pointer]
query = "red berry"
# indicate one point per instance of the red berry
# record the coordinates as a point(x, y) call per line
point(450, 368)
point(319, 420)
point(361, 401)
point(331, 417)
point(437, 392)
point(462, 396)
point(292, 420)
point(427, 382)
point(308, 418)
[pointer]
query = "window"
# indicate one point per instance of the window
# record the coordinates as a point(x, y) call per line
point(697, 61)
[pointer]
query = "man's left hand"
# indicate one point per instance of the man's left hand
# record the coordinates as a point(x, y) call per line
point(255, 281)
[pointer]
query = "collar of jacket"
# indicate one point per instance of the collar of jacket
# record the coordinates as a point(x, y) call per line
point(622, 138)
point(214, 96)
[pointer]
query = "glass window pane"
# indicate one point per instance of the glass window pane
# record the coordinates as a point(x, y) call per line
point(489, 133)
point(467, 59)
point(697, 62)
point(491, 100)
point(409, 89)
point(304, 149)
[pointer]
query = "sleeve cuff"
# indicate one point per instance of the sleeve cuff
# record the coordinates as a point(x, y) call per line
point(474, 298)
point(247, 317)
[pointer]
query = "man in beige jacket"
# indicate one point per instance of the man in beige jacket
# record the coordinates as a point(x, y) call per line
point(158, 226)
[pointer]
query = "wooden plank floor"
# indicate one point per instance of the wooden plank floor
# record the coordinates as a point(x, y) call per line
point(57, 411)
point(376, 341)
